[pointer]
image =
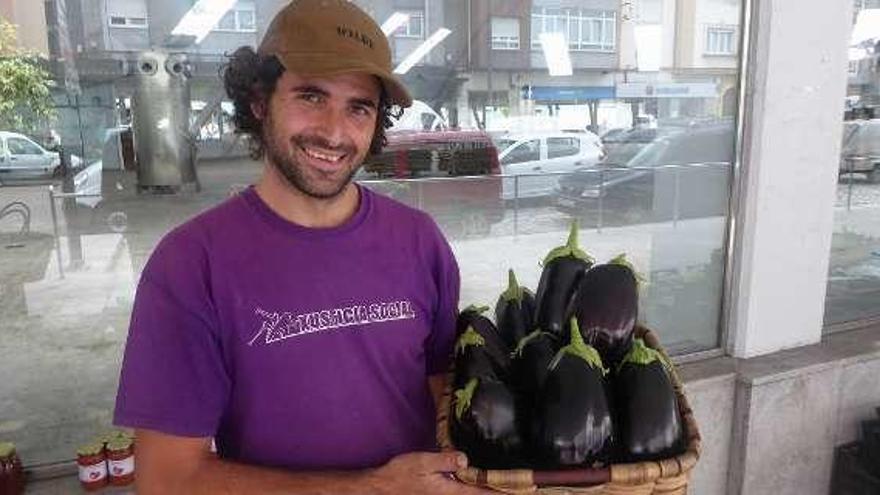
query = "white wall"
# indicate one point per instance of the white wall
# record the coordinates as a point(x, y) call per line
point(796, 85)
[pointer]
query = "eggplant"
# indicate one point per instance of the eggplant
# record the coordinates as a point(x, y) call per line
point(531, 362)
point(514, 312)
point(563, 268)
point(573, 424)
point(484, 425)
point(649, 423)
point(474, 359)
point(530, 365)
point(606, 307)
point(472, 317)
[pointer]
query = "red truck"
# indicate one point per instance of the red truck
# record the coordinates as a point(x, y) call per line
point(451, 174)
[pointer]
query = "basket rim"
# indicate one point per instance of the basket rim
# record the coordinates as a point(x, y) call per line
point(526, 480)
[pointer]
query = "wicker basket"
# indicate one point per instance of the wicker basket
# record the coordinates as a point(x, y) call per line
point(663, 477)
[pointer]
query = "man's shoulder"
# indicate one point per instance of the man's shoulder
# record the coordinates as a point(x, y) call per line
point(401, 213)
point(190, 240)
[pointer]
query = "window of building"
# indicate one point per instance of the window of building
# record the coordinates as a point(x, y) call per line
point(128, 22)
point(505, 33)
point(584, 29)
point(720, 40)
point(241, 18)
point(414, 27)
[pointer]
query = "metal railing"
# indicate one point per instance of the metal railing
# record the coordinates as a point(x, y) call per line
point(518, 178)
point(515, 199)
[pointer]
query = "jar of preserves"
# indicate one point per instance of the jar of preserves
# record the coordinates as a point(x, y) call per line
point(92, 463)
point(120, 461)
point(11, 472)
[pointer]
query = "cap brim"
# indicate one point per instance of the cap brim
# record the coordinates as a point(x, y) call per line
point(325, 64)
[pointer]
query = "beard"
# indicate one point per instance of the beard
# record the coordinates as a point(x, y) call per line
point(311, 182)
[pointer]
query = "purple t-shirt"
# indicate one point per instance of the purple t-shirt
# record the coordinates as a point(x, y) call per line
point(294, 347)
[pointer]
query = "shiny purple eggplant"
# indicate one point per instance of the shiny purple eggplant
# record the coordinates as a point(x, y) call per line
point(483, 425)
point(606, 307)
point(648, 421)
point(514, 312)
point(572, 425)
point(563, 269)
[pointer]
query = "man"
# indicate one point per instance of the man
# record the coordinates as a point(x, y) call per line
point(306, 323)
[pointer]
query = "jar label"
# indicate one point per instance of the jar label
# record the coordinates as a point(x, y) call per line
point(93, 473)
point(121, 467)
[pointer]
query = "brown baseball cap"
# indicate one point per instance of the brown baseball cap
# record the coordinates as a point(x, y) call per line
point(326, 37)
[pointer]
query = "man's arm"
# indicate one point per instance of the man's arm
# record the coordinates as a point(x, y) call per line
point(170, 465)
point(437, 384)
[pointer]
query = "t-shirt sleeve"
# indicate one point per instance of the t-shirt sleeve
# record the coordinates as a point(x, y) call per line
point(173, 379)
point(446, 275)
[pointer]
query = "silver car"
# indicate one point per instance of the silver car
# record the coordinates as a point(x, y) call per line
point(541, 158)
point(21, 158)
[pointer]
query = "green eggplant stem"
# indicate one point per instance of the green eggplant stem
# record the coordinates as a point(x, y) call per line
point(621, 260)
point(573, 235)
point(523, 342)
point(514, 292)
point(643, 355)
point(577, 347)
point(473, 308)
point(467, 338)
point(463, 397)
point(570, 249)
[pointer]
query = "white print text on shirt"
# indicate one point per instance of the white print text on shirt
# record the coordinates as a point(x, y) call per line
point(280, 326)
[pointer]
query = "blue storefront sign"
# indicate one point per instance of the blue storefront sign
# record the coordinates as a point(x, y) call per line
point(567, 93)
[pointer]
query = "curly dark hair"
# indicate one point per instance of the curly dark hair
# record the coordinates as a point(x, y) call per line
point(250, 77)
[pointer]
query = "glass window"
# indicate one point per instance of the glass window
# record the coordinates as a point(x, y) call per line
point(505, 33)
point(227, 22)
point(128, 22)
point(414, 27)
point(241, 18)
point(18, 146)
point(639, 144)
point(246, 20)
point(557, 147)
point(585, 30)
point(720, 40)
point(853, 289)
point(523, 152)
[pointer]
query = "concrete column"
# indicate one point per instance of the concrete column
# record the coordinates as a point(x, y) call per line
point(795, 88)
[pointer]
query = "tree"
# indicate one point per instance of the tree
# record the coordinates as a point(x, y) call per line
point(25, 99)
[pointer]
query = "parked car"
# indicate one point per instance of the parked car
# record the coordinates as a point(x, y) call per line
point(620, 147)
point(684, 174)
point(541, 158)
point(451, 174)
point(860, 152)
point(22, 158)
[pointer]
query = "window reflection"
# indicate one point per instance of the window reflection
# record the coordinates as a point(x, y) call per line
point(634, 141)
point(854, 272)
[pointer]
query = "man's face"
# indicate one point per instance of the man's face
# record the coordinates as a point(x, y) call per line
point(317, 130)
